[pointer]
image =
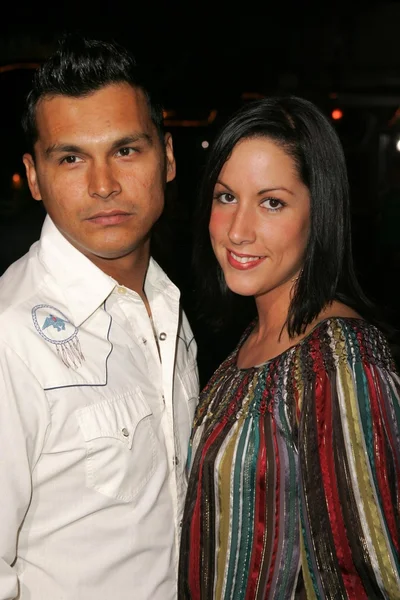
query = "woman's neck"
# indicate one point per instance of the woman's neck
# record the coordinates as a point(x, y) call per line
point(272, 309)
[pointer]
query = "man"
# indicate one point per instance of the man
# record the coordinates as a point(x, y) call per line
point(98, 376)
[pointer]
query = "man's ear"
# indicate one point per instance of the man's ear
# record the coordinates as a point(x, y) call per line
point(169, 152)
point(32, 176)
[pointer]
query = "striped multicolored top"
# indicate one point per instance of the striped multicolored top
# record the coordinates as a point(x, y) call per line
point(295, 474)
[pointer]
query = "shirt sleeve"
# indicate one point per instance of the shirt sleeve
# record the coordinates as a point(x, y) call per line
point(24, 418)
point(349, 456)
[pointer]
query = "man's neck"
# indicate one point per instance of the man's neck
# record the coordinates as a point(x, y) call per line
point(129, 271)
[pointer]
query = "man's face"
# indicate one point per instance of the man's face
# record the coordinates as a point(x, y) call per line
point(101, 169)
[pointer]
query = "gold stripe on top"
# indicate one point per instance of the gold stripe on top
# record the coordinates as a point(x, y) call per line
point(375, 538)
point(224, 516)
point(306, 572)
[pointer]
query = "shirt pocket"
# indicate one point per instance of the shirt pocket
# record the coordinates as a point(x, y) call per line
point(120, 445)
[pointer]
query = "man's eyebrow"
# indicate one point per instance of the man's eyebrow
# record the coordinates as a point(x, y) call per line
point(132, 139)
point(120, 143)
point(58, 148)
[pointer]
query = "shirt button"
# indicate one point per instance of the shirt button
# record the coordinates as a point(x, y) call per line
point(121, 290)
point(124, 432)
point(163, 336)
point(176, 460)
point(163, 398)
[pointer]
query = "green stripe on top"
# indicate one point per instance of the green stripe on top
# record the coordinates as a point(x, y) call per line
point(291, 510)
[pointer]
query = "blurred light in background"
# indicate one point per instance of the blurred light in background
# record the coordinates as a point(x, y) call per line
point(20, 65)
point(252, 96)
point(16, 181)
point(173, 118)
point(336, 114)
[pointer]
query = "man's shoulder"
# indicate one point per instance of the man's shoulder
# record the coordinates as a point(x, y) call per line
point(20, 281)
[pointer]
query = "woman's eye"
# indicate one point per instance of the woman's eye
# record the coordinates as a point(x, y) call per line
point(225, 198)
point(273, 203)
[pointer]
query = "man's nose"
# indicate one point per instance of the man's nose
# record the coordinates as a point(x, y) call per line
point(103, 182)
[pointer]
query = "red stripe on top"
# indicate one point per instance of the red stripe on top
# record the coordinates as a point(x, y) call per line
point(195, 526)
point(350, 577)
point(260, 532)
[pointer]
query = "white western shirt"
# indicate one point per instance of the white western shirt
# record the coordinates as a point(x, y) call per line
point(94, 428)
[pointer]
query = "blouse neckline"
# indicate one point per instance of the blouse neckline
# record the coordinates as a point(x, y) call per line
point(291, 348)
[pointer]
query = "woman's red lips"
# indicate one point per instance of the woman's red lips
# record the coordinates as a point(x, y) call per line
point(243, 262)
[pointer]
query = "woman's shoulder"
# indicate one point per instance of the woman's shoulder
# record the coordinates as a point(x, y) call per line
point(337, 310)
point(342, 333)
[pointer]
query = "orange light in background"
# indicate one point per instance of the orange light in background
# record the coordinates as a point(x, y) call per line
point(21, 65)
point(395, 119)
point(252, 96)
point(336, 114)
point(16, 180)
point(168, 114)
point(179, 122)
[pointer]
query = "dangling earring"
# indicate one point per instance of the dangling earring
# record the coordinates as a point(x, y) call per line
point(298, 277)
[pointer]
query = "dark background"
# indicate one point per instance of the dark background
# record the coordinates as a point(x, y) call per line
point(206, 60)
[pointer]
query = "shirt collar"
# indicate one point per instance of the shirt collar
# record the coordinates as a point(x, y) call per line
point(85, 286)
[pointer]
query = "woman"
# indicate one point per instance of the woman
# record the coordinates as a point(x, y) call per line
point(294, 465)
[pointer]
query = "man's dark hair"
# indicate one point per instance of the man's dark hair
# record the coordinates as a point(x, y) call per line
point(79, 67)
point(305, 134)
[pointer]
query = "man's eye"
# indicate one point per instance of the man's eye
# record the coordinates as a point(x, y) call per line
point(126, 151)
point(70, 160)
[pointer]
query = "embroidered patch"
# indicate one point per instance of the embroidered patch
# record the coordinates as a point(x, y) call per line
point(55, 328)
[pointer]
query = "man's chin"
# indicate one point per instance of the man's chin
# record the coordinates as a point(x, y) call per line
point(110, 253)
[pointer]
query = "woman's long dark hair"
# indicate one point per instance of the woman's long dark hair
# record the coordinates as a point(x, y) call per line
point(301, 129)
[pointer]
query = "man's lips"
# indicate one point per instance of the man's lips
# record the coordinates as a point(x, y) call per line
point(243, 262)
point(111, 217)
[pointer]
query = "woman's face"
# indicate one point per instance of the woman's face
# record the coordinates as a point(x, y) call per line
point(260, 218)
